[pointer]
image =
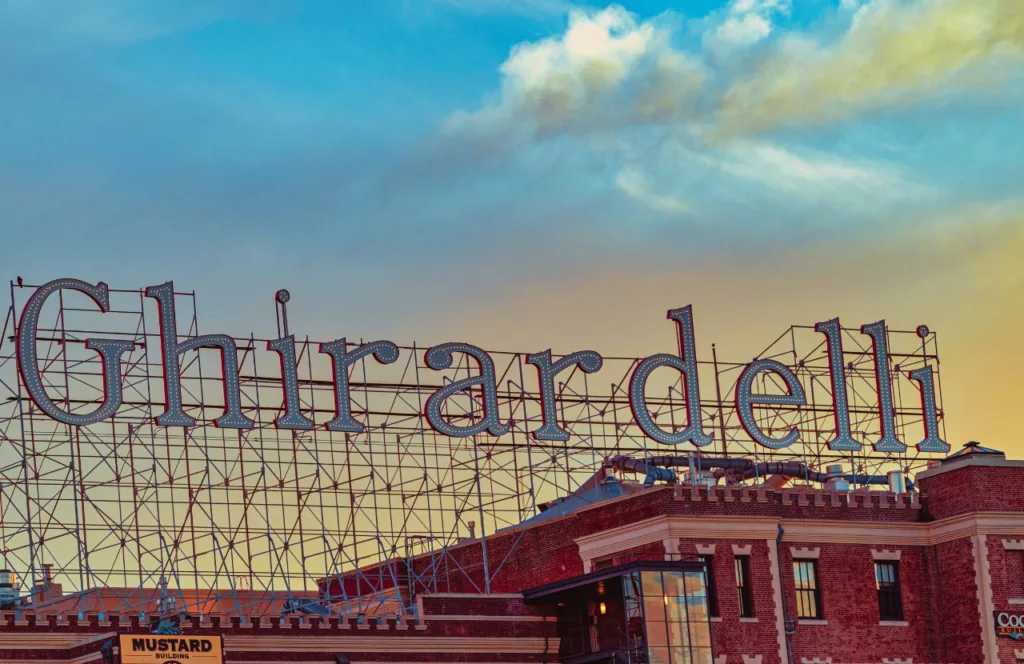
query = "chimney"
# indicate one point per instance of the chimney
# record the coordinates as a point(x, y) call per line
point(45, 590)
point(472, 529)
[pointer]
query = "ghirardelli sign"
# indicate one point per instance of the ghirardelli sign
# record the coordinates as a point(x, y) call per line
point(440, 357)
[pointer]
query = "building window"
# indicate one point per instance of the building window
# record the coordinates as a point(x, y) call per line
point(675, 618)
point(808, 594)
point(709, 566)
point(746, 598)
point(890, 599)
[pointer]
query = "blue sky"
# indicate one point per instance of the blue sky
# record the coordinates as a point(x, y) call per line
point(422, 168)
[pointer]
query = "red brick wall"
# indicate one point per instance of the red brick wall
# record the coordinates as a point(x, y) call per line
point(1006, 568)
point(973, 489)
point(846, 577)
point(959, 638)
point(728, 634)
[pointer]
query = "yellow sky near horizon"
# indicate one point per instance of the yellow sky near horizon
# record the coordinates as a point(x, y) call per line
point(965, 282)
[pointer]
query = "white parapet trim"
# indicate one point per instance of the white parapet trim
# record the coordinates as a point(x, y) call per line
point(886, 554)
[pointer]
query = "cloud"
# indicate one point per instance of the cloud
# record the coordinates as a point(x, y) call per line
point(893, 54)
point(809, 172)
point(622, 89)
point(636, 185)
point(608, 70)
point(747, 22)
point(105, 21)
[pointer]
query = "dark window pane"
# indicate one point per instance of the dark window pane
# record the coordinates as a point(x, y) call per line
point(890, 599)
point(712, 588)
point(743, 590)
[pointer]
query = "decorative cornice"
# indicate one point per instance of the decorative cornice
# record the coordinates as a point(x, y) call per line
point(886, 554)
point(986, 461)
point(407, 644)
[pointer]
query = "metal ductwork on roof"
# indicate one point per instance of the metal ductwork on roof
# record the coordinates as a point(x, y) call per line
point(739, 469)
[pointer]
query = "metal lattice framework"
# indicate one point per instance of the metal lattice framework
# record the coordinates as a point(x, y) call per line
point(145, 512)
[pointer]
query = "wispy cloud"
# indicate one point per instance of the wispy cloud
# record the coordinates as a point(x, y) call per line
point(894, 54)
point(623, 87)
point(636, 185)
point(106, 21)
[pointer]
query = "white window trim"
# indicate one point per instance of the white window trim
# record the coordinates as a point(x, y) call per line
point(885, 554)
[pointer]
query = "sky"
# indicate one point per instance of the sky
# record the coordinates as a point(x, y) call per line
point(525, 174)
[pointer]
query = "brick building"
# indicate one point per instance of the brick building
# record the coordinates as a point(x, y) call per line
point(691, 572)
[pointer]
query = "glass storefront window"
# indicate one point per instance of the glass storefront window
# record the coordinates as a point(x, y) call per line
point(676, 617)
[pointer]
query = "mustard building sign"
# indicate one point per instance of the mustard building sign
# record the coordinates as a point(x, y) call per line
point(147, 649)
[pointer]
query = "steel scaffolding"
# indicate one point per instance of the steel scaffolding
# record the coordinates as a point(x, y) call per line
point(148, 514)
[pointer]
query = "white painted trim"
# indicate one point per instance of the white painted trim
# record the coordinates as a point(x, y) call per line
point(805, 553)
point(752, 659)
point(886, 554)
point(501, 618)
point(1013, 545)
point(715, 619)
point(780, 623)
point(475, 595)
point(893, 623)
point(741, 550)
point(671, 548)
point(409, 644)
point(811, 621)
point(1016, 600)
point(705, 549)
point(983, 579)
point(824, 531)
point(968, 463)
point(749, 620)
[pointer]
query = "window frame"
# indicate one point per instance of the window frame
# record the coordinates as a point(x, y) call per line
point(744, 593)
point(810, 592)
point(709, 580)
point(891, 593)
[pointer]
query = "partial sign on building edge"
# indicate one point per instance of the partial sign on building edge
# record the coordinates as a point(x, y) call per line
point(149, 649)
point(1010, 624)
